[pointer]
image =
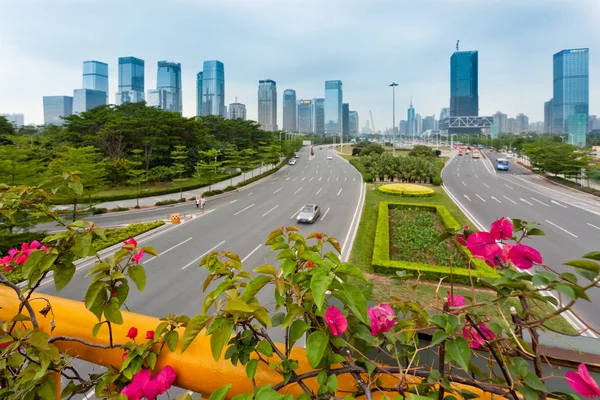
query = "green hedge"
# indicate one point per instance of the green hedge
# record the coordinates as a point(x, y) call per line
point(14, 240)
point(367, 177)
point(381, 250)
point(437, 176)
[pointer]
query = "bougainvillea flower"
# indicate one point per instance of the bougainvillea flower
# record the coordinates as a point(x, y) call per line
point(319, 236)
point(165, 378)
point(123, 356)
point(152, 390)
point(150, 335)
point(131, 241)
point(382, 318)
point(336, 321)
point(461, 239)
point(483, 246)
point(474, 338)
point(132, 333)
point(21, 259)
point(582, 383)
point(523, 256)
point(135, 389)
point(5, 263)
point(456, 300)
point(12, 252)
point(502, 229)
point(138, 256)
point(34, 245)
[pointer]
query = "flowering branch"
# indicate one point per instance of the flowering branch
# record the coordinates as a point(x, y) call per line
point(23, 301)
point(74, 339)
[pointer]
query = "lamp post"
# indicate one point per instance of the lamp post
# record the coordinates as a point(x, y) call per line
point(393, 85)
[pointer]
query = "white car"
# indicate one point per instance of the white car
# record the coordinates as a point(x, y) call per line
point(329, 158)
point(292, 162)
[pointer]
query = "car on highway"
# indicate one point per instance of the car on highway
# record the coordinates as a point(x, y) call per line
point(460, 153)
point(329, 158)
point(297, 155)
point(292, 162)
point(309, 214)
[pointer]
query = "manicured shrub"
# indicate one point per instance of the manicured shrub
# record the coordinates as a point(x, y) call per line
point(406, 189)
point(118, 209)
point(99, 210)
point(168, 202)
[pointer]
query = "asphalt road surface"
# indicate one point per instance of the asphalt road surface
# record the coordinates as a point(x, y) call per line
point(570, 219)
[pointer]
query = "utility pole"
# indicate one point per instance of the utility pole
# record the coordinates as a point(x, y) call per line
point(393, 85)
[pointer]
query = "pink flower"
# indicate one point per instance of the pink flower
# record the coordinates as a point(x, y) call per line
point(456, 300)
point(130, 242)
point(165, 378)
point(582, 383)
point(523, 257)
point(150, 335)
point(142, 385)
point(133, 332)
point(138, 256)
point(502, 229)
point(336, 321)
point(21, 259)
point(135, 390)
point(483, 246)
point(152, 390)
point(34, 245)
point(381, 318)
point(460, 238)
point(123, 356)
point(474, 338)
point(12, 252)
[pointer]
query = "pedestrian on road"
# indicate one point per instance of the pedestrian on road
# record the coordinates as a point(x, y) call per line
point(197, 202)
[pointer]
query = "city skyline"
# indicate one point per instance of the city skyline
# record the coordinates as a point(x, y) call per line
point(515, 65)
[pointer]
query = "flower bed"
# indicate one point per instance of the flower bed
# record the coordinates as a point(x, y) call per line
point(406, 189)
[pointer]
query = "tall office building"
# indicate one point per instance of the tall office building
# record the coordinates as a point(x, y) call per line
point(319, 115)
point(289, 110)
point(522, 122)
point(464, 91)
point(18, 120)
point(86, 99)
point(237, 111)
point(345, 118)
point(333, 107)
point(501, 120)
point(410, 120)
point(511, 125)
point(161, 98)
point(418, 124)
point(199, 94)
point(95, 77)
point(168, 86)
point(403, 127)
point(571, 93)
point(353, 123)
point(267, 104)
point(131, 80)
point(305, 116)
point(213, 88)
point(548, 108)
point(429, 123)
point(56, 107)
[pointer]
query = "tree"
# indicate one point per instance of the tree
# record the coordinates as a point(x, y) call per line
point(208, 166)
point(248, 161)
point(231, 159)
point(179, 157)
point(6, 128)
point(137, 174)
point(19, 163)
point(420, 150)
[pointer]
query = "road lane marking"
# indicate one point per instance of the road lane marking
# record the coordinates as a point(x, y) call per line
point(270, 210)
point(541, 202)
point(328, 179)
point(339, 192)
point(294, 179)
point(287, 179)
point(496, 200)
point(486, 185)
point(252, 252)
point(298, 189)
point(525, 201)
point(511, 200)
point(558, 204)
point(463, 182)
point(303, 178)
point(346, 178)
point(250, 194)
point(458, 174)
point(292, 217)
point(353, 179)
point(232, 201)
point(319, 191)
point(593, 226)
point(467, 197)
point(562, 229)
point(337, 178)
point(510, 187)
point(244, 209)
point(199, 258)
point(320, 178)
point(323, 217)
point(278, 190)
point(480, 198)
point(476, 176)
point(311, 178)
point(167, 250)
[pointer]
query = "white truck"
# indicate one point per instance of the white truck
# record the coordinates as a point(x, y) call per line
point(306, 143)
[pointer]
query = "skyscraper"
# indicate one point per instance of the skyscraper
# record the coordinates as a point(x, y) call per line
point(571, 93)
point(305, 116)
point(213, 88)
point(18, 120)
point(168, 83)
point(428, 123)
point(345, 118)
point(86, 99)
point(237, 111)
point(464, 92)
point(199, 94)
point(353, 123)
point(403, 127)
point(131, 80)
point(548, 108)
point(289, 110)
point(267, 104)
point(319, 115)
point(501, 120)
point(418, 124)
point(56, 107)
point(522, 121)
point(333, 107)
point(410, 120)
point(95, 77)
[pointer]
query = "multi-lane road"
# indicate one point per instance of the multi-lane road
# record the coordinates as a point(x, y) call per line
point(570, 219)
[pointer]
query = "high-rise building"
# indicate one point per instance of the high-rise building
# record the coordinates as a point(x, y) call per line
point(86, 99)
point(131, 80)
point(522, 122)
point(319, 115)
point(548, 108)
point(511, 125)
point(237, 111)
point(345, 119)
point(428, 123)
point(464, 92)
point(18, 120)
point(161, 98)
point(333, 107)
point(213, 88)
point(403, 127)
point(95, 77)
point(570, 92)
point(353, 121)
point(199, 94)
point(577, 129)
point(56, 107)
point(267, 104)
point(289, 110)
point(410, 120)
point(501, 120)
point(418, 124)
point(494, 131)
point(304, 116)
point(168, 82)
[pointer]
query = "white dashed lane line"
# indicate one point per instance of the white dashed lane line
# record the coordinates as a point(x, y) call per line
point(324, 215)
point(510, 187)
point(278, 190)
point(339, 192)
point(509, 199)
point(480, 198)
point(319, 191)
point(561, 228)
point(525, 201)
point(270, 210)
point(539, 201)
point(558, 204)
point(593, 226)
point(298, 189)
point(244, 209)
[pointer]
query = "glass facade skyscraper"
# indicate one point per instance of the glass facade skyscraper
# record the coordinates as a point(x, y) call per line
point(86, 99)
point(345, 119)
point(319, 115)
point(237, 111)
point(464, 91)
point(305, 116)
point(353, 121)
point(95, 77)
point(213, 88)
point(131, 80)
point(548, 105)
point(333, 107)
point(410, 120)
point(18, 120)
point(267, 104)
point(571, 92)
point(168, 82)
point(56, 107)
point(199, 78)
point(289, 110)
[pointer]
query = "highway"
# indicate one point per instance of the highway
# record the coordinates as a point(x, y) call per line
point(570, 219)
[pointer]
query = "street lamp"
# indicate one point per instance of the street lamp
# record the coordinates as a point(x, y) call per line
point(393, 85)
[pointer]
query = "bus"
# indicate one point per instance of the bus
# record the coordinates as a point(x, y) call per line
point(502, 164)
point(476, 153)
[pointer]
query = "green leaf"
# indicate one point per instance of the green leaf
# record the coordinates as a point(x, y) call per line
point(536, 232)
point(332, 383)
point(254, 286)
point(589, 275)
point(138, 276)
point(288, 266)
point(585, 264)
point(297, 330)
point(243, 396)
point(278, 319)
point(251, 368)
point(265, 348)
point(293, 311)
point(459, 351)
point(192, 330)
point(219, 338)
point(83, 245)
point(20, 317)
point(172, 338)
point(535, 383)
point(266, 393)
point(63, 274)
point(112, 312)
point(319, 284)
point(594, 255)
point(287, 253)
point(566, 289)
point(151, 359)
point(315, 347)
point(220, 393)
point(350, 270)
point(92, 292)
point(266, 269)
point(356, 301)
point(438, 338)
point(236, 305)
point(34, 259)
point(96, 329)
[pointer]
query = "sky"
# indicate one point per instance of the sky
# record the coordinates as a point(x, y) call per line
point(367, 44)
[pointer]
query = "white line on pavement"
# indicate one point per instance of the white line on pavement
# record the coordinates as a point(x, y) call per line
point(287, 179)
point(525, 201)
point(167, 250)
point(477, 178)
point(298, 189)
point(233, 201)
point(558, 204)
point(278, 190)
point(294, 179)
point(467, 197)
point(311, 178)
point(303, 178)
point(328, 179)
point(480, 198)
point(337, 178)
point(486, 185)
point(541, 202)
point(496, 200)
point(509, 199)
point(323, 217)
point(510, 187)
point(345, 179)
point(244, 209)
point(270, 210)
point(292, 217)
point(252, 252)
point(463, 182)
point(320, 178)
point(199, 258)
point(319, 191)
point(250, 194)
point(339, 192)
point(593, 226)
point(562, 229)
